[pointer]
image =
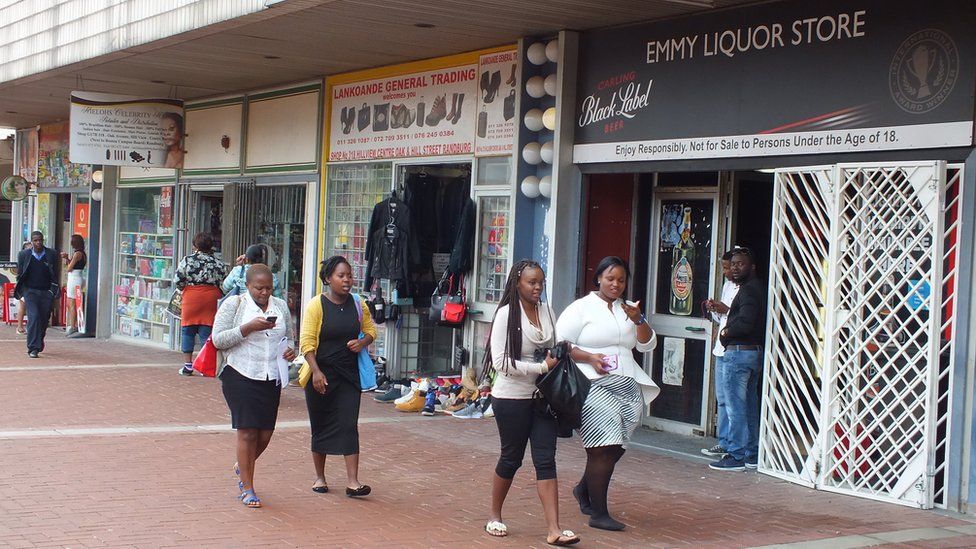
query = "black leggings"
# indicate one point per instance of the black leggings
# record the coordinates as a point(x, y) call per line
point(521, 421)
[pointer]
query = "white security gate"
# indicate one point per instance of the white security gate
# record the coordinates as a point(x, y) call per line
point(856, 382)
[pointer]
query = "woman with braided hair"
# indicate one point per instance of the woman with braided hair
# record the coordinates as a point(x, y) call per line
point(521, 335)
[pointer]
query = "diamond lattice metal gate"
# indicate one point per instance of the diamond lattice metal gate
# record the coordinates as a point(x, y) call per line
point(797, 284)
point(860, 330)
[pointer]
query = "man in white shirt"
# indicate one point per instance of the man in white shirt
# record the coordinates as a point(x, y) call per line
point(720, 313)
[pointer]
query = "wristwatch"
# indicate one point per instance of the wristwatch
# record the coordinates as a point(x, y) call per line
point(642, 321)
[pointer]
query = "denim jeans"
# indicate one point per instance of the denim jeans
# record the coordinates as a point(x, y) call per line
point(189, 336)
point(740, 371)
point(722, 429)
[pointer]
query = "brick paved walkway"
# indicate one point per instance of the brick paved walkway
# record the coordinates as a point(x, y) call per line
point(103, 445)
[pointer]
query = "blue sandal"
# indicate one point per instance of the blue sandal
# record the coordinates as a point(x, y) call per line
point(250, 499)
point(240, 483)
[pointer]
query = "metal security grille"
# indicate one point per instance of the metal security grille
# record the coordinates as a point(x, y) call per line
point(798, 275)
point(857, 376)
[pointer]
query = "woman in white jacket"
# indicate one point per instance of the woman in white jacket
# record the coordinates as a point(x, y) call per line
point(604, 329)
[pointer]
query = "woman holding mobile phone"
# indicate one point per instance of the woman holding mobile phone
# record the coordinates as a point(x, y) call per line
point(330, 343)
point(604, 329)
point(247, 329)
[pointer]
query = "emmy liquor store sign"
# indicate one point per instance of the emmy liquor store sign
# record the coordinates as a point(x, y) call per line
point(780, 78)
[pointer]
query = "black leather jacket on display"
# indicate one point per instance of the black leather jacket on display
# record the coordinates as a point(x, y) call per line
point(389, 246)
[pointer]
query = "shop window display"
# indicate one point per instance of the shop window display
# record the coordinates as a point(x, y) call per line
point(145, 269)
point(353, 190)
point(493, 247)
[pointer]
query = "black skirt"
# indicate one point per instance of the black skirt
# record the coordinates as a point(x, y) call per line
point(334, 417)
point(253, 404)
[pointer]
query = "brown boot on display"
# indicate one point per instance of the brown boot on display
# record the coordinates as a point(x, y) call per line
point(457, 111)
point(437, 111)
point(511, 78)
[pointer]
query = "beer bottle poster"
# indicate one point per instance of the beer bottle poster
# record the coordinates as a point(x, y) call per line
point(684, 253)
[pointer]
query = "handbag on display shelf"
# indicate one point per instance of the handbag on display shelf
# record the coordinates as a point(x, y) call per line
point(175, 306)
point(448, 308)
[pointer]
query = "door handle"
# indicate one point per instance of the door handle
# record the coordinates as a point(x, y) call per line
point(695, 329)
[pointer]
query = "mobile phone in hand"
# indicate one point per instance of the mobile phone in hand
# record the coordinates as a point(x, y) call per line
point(272, 319)
point(610, 363)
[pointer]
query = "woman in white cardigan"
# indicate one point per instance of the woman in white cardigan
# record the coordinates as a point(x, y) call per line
point(522, 331)
point(249, 328)
point(604, 329)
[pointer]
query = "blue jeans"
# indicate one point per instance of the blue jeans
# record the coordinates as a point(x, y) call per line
point(190, 334)
point(722, 429)
point(741, 375)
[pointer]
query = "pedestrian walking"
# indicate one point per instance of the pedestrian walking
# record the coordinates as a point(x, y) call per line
point(250, 329)
point(719, 309)
point(75, 265)
point(39, 284)
point(521, 336)
point(330, 343)
point(235, 281)
point(199, 275)
point(743, 338)
point(604, 329)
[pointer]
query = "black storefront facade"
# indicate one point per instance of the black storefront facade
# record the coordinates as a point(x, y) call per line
point(837, 142)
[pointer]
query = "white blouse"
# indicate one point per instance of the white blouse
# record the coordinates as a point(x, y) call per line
point(519, 382)
point(590, 325)
point(254, 356)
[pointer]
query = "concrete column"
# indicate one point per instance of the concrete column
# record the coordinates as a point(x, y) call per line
point(102, 289)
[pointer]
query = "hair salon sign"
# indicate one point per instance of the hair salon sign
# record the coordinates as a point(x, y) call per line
point(779, 78)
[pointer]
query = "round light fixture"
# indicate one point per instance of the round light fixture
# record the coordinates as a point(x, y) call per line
point(530, 186)
point(546, 152)
point(550, 85)
point(98, 176)
point(545, 186)
point(533, 120)
point(531, 153)
point(536, 53)
point(535, 87)
point(552, 50)
point(549, 118)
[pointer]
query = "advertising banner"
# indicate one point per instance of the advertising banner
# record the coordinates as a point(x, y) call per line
point(81, 223)
point(422, 114)
point(497, 82)
point(27, 154)
point(779, 78)
point(119, 130)
point(54, 170)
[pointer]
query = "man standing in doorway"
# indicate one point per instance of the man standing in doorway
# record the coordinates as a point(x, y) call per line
point(743, 338)
point(720, 314)
point(38, 282)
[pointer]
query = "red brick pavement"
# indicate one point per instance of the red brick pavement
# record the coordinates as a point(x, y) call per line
point(430, 478)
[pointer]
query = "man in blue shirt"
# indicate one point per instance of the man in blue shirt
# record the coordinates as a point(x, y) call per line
point(39, 283)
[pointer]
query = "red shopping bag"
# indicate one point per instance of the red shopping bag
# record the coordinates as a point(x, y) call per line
point(206, 361)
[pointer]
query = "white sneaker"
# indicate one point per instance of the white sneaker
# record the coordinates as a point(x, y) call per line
point(471, 411)
point(424, 386)
point(488, 412)
point(406, 397)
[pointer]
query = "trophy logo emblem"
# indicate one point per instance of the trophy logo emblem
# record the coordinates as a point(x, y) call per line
point(923, 71)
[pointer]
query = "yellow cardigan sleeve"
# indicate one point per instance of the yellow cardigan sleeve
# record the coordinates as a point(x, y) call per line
point(312, 325)
point(308, 342)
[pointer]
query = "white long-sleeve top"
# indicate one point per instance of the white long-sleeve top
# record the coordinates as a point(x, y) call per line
point(592, 326)
point(729, 291)
point(254, 356)
point(519, 382)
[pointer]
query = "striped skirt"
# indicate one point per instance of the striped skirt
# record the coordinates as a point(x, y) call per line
point(611, 412)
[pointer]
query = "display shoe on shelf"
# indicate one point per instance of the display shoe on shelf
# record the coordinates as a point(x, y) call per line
point(415, 404)
point(408, 396)
point(429, 404)
point(437, 111)
point(389, 396)
point(471, 411)
point(454, 407)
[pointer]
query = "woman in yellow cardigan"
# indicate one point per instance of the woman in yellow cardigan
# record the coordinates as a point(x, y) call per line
point(330, 343)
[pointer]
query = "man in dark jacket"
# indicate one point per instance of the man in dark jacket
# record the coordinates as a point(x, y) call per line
point(743, 337)
point(39, 283)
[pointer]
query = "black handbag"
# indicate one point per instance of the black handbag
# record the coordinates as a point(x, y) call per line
point(447, 307)
point(381, 117)
point(508, 106)
point(365, 116)
point(564, 389)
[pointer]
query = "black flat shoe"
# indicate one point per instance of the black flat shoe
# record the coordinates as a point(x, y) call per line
point(363, 490)
point(324, 489)
point(584, 504)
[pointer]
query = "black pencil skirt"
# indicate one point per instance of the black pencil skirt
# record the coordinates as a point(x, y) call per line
point(253, 404)
point(334, 417)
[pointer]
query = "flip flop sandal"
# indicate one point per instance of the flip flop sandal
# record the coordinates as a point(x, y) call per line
point(237, 471)
point(21, 331)
point(567, 537)
point(324, 489)
point(250, 499)
point(497, 529)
